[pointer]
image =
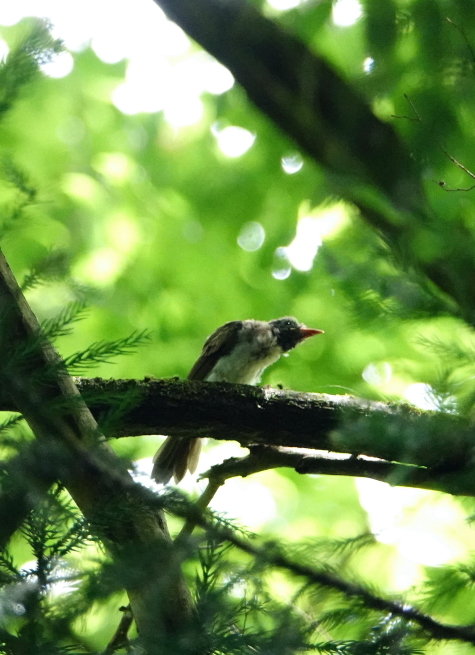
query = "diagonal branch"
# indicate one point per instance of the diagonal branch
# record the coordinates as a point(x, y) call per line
point(25, 479)
point(270, 553)
point(368, 165)
point(302, 94)
point(48, 399)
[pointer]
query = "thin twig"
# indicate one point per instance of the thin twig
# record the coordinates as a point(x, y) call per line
point(441, 184)
point(305, 461)
point(120, 638)
point(201, 504)
point(464, 36)
point(407, 118)
point(271, 554)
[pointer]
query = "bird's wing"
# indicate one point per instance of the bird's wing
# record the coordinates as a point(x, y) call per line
point(218, 344)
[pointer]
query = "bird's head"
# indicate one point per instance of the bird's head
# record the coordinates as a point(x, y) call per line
point(289, 332)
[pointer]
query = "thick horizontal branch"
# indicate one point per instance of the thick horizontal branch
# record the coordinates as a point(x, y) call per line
point(432, 448)
point(440, 444)
point(233, 412)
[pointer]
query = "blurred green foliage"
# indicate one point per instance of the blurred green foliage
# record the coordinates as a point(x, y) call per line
point(141, 220)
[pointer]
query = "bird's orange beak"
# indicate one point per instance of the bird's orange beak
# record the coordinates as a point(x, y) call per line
point(306, 332)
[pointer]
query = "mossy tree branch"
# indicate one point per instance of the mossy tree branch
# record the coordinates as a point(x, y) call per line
point(414, 448)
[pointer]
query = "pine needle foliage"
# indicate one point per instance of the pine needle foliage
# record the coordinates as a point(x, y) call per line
point(235, 578)
point(62, 324)
point(103, 352)
point(54, 266)
point(53, 531)
point(22, 63)
point(16, 194)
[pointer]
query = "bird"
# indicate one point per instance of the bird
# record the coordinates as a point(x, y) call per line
point(237, 351)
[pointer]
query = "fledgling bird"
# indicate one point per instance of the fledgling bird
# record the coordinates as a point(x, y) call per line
point(238, 351)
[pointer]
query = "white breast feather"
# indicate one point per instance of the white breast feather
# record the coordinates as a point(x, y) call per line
point(244, 364)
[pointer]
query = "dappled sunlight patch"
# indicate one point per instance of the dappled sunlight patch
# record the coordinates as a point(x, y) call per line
point(312, 228)
point(101, 267)
point(60, 66)
point(368, 65)
point(284, 5)
point(233, 141)
point(4, 50)
point(71, 131)
point(122, 232)
point(136, 94)
point(346, 12)
point(193, 231)
point(183, 110)
point(308, 239)
point(377, 373)
point(245, 500)
point(216, 78)
point(64, 578)
point(421, 395)
point(83, 188)
point(115, 166)
point(162, 74)
point(424, 526)
point(281, 268)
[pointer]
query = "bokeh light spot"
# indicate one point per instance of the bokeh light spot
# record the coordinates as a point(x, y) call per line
point(302, 250)
point(101, 267)
point(415, 521)
point(311, 230)
point(377, 374)
point(368, 65)
point(234, 141)
point(346, 12)
point(71, 131)
point(251, 237)
point(60, 66)
point(193, 231)
point(291, 163)
point(283, 5)
point(115, 166)
point(183, 110)
point(421, 395)
point(281, 267)
point(4, 50)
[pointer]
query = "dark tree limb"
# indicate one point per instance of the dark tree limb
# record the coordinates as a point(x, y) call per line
point(303, 95)
point(26, 478)
point(271, 553)
point(264, 458)
point(368, 165)
point(441, 445)
point(47, 397)
point(120, 637)
point(434, 450)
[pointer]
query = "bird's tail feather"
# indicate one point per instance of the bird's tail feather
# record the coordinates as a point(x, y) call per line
point(174, 457)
